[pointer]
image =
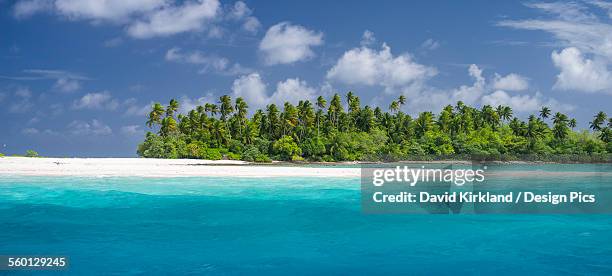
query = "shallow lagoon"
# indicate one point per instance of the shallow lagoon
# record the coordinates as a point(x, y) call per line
point(277, 225)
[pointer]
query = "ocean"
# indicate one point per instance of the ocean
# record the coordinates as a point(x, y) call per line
point(134, 226)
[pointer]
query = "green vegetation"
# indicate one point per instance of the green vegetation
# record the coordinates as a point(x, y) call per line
point(1, 155)
point(325, 131)
point(31, 153)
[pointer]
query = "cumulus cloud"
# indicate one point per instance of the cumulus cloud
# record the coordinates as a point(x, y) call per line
point(480, 92)
point(96, 101)
point(586, 41)
point(524, 103)
point(252, 89)
point(191, 16)
point(186, 103)
point(580, 73)
point(285, 43)
point(367, 38)
point(368, 66)
point(510, 82)
point(89, 128)
point(209, 63)
point(241, 12)
point(23, 9)
point(292, 90)
point(146, 18)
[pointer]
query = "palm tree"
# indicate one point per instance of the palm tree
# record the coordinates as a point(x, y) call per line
point(505, 112)
point(598, 120)
point(559, 118)
point(572, 123)
point(349, 98)
point(155, 116)
point(172, 108)
point(226, 107)
point(168, 126)
point(606, 134)
point(490, 116)
point(273, 120)
point(424, 122)
point(334, 110)
point(401, 100)
point(241, 112)
point(394, 106)
point(560, 126)
point(544, 112)
point(320, 105)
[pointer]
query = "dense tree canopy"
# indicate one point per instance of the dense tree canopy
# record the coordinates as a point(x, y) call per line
point(325, 131)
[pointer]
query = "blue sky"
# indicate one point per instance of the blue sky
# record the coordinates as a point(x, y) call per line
point(77, 76)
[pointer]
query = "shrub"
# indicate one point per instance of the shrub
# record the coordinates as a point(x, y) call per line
point(250, 154)
point(262, 158)
point(195, 149)
point(213, 154)
point(286, 148)
point(232, 156)
point(31, 153)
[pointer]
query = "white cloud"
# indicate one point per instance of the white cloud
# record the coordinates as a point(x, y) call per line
point(132, 108)
point(132, 130)
point(607, 6)
point(241, 12)
point(92, 128)
point(367, 38)
point(64, 81)
point(146, 18)
point(524, 103)
point(430, 44)
point(510, 82)
point(367, 66)
point(21, 101)
point(97, 101)
point(191, 16)
point(293, 90)
point(285, 43)
point(210, 63)
point(27, 8)
point(109, 10)
point(581, 33)
point(187, 104)
point(580, 73)
point(251, 25)
point(67, 85)
point(252, 89)
point(44, 74)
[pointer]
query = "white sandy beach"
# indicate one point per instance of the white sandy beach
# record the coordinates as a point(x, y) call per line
point(99, 167)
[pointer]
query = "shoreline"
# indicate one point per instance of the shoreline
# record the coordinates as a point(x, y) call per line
point(159, 168)
point(149, 167)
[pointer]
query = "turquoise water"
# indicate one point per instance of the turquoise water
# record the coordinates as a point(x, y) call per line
point(278, 226)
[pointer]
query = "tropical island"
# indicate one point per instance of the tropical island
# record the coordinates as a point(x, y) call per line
point(325, 131)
